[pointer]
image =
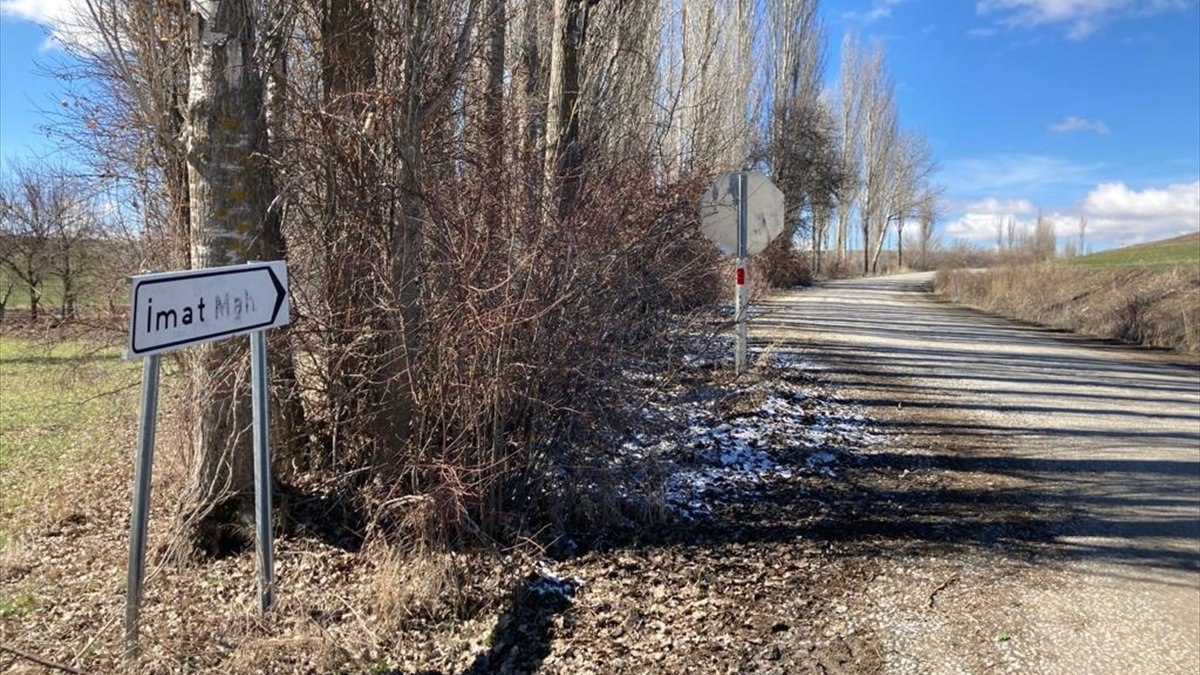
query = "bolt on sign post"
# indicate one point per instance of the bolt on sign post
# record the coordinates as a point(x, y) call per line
point(741, 214)
point(173, 310)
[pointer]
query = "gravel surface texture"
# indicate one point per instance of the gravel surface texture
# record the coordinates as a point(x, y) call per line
point(1060, 529)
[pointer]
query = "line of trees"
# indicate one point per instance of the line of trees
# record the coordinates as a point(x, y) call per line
point(486, 205)
point(1038, 242)
point(53, 233)
point(853, 177)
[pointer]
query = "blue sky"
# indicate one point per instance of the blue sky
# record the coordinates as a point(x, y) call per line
point(1077, 107)
point(21, 90)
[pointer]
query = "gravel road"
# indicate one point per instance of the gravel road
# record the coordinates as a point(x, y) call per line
point(1043, 509)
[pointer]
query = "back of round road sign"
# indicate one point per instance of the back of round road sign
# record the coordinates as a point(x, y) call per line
point(764, 213)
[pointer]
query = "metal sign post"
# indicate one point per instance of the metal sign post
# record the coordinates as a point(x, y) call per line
point(141, 499)
point(262, 470)
point(174, 310)
point(740, 304)
point(741, 214)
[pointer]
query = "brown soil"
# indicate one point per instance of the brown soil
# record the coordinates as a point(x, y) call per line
point(767, 585)
point(784, 578)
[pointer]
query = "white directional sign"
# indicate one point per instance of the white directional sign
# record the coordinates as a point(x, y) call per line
point(172, 310)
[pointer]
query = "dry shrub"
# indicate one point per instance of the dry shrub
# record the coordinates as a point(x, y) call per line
point(782, 266)
point(514, 369)
point(1140, 306)
point(428, 587)
point(533, 327)
point(835, 267)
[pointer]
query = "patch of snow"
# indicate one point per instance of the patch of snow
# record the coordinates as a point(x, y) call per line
point(547, 582)
point(724, 441)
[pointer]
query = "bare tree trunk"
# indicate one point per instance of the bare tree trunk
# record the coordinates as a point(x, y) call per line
point(529, 81)
point(850, 122)
point(290, 429)
point(866, 241)
point(820, 237)
point(882, 238)
point(228, 203)
point(564, 156)
point(35, 299)
point(493, 106)
point(67, 307)
point(352, 222)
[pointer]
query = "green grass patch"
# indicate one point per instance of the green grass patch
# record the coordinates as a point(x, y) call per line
point(60, 404)
point(92, 291)
point(17, 604)
point(1165, 254)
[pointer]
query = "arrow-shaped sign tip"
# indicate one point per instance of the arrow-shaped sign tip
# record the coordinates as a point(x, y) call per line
point(280, 294)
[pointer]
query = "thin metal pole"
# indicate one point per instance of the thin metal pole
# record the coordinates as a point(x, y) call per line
point(740, 299)
point(262, 470)
point(141, 501)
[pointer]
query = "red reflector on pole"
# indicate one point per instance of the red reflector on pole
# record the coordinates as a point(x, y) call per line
point(741, 276)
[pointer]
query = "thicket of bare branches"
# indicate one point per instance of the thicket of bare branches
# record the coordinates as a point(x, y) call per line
point(487, 206)
point(1017, 243)
point(483, 214)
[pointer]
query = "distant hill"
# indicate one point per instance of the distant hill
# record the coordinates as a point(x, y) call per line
point(1175, 252)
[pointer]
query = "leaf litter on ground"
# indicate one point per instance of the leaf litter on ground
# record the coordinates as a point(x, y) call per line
point(706, 442)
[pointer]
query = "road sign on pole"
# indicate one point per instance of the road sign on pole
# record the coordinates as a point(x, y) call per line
point(741, 214)
point(740, 299)
point(720, 210)
point(174, 310)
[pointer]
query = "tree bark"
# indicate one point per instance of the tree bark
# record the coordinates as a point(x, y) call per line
point(228, 198)
point(882, 237)
point(564, 156)
point(35, 298)
point(290, 428)
point(493, 108)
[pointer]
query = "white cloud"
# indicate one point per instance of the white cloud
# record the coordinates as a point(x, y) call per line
point(982, 227)
point(1000, 207)
point(1072, 123)
point(981, 219)
point(1125, 215)
point(1080, 18)
point(880, 9)
point(1022, 174)
point(974, 226)
point(1116, 215)
point(66, 20)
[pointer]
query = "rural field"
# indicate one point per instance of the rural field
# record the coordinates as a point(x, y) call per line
point(1145, 294)
point(1167, 254)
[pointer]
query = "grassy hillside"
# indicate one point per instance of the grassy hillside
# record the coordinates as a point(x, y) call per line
point(1164, 254)
point(1154, 305)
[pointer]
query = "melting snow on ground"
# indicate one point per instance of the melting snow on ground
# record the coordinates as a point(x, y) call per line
point(734, 439)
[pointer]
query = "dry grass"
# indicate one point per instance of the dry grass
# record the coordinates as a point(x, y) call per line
point(1153, 307)
point(379, 608)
